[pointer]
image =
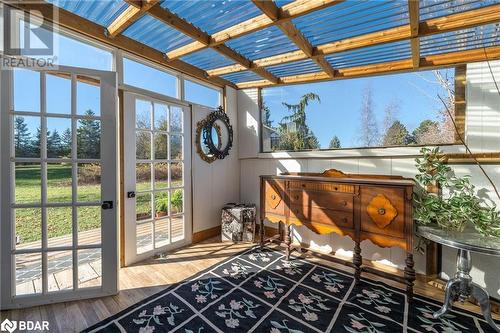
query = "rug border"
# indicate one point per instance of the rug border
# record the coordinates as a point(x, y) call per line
point(108, 320)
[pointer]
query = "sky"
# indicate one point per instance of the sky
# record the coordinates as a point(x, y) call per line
point(339, 110)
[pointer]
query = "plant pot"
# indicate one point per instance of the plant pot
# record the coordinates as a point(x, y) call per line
point(161, 214)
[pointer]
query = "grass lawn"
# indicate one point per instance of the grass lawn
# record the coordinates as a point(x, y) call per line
point(28, 190)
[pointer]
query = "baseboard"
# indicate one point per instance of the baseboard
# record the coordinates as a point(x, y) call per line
point(200, 236)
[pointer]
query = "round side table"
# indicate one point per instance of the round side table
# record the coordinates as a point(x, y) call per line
point(461, 286)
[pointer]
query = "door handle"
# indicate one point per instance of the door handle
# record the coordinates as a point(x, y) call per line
point(131, 194)
point(107, 205)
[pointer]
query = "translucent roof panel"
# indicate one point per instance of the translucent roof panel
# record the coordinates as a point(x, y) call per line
point(352, 18)
point(263, 43)
point(214, 15)
point(437, 8)
point(371, 55)
point(281, 3)
point(473, 38)
point(97, 11)
point(207, 59)
point(242, 77)
point(156, 34)
point(294, 68)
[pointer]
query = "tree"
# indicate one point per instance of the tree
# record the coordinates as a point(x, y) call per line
point(396, 135)
point(334, 143)
point(369, 135)
point(22, 137)
point(35, 143)
point(54, 144)
point(266, 112)
point(88, 136)
point(390, 114)
point(66, 143)
point(428, 132)
point(293, 130)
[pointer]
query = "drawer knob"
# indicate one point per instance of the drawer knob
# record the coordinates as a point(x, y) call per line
point(381, 211)
point(273, 196)
point(303, 185)
point(344, 203)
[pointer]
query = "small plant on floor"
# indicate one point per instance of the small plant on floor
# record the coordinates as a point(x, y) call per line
point(177, 201)
point(460, 207)
point(162, 205)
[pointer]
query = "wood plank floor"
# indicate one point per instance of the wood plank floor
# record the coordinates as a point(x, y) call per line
point(146, 278)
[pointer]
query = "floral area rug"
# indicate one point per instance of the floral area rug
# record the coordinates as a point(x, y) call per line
point(259, 291)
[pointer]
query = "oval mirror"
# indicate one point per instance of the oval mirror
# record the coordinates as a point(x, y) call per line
point(218, 134)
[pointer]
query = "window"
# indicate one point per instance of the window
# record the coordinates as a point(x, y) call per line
point(392, 110)
point(200, 94)
point(148, 78)
point(74, 52)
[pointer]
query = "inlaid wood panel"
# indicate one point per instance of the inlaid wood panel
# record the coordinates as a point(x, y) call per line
point(274, 194)
point(321, 186)
point(331, 200)
point(322, 215)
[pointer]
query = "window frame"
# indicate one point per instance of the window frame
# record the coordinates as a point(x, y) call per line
point(460, 79)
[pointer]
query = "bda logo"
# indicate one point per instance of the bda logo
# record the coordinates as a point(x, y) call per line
point(8, 325)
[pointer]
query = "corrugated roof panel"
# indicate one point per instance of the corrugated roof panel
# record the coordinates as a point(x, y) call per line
point(207, 59)
point(263, 43)
point(242, 77)
point(352, 18)
point(281, 3)
point(97, 11)
point(437, 8)
point(156, 34)
point(462, 40)
point(371, 55)
point(294, 68)
point(214, 15)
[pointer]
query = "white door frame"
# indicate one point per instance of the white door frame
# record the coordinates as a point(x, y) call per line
point(129, 167)
point(109, 176)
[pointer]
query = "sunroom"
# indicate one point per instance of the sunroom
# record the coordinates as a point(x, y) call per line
point(250, 166)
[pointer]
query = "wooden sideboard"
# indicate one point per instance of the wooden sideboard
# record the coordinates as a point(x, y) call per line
point(373, 207)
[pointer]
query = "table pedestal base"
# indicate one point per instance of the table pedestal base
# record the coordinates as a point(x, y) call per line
point(461, 288)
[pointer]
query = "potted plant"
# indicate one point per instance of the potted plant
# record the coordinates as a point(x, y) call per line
point(177, 201)
point(459, 207)
point(161, 208)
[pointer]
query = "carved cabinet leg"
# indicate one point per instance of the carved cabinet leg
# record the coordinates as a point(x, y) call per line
point(357, 261)
point(409, 275)
point(288, 241)
point(261, 232)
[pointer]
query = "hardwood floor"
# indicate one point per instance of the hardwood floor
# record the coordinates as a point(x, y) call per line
point(146, 278)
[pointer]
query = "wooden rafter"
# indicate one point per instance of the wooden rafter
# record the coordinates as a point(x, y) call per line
point(202, 37)
point(92, 30)
point(289, 11)
point(131, 14)
point(427, 62)
point(414, 13)
point(453, 22)
point(270, 9)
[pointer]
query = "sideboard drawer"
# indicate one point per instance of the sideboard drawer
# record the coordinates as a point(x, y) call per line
point(274, 194)
point(321, 186)
point(330, 200)
point(322, 215)
point(383, 211)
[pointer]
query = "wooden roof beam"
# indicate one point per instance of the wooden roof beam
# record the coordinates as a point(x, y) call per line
point(203, 38)
point(414, 13)
point(406, 65)
point(131, 14)
point(290, 30)
point(453, 22)
point(288, 12)
point(92, 30)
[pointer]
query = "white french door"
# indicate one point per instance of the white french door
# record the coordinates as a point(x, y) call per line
point(157, 184)
point(59, 221)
